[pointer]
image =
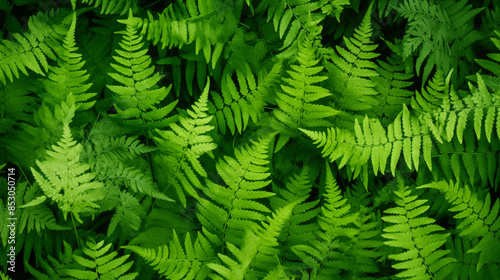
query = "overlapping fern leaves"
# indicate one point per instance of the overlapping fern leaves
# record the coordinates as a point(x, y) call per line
point(89, 120)
point(441, 34)
point(69, 76)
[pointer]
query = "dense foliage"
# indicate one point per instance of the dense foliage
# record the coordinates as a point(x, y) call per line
point(266, 139)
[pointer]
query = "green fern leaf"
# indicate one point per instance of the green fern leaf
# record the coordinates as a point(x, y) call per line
point(492, 65)
point(183, 145)
point(334, 249)
point(257, 256)
point(99, 264)
point(352, 69)
point(301, 225)
point(129, 215)
point(174, 262)
point(66, 181)
point(32, 49)
point(477, 220)
point(391, 84)
point(113, 6)
point(370, 140)
point(441, 32)
point(55, 268)
point(16, 104)
point(418, 236)
point(234, 109)
point(68, 76)
point(138, 97)
point(233, 208)
point(432, 97)
point(465, 267)
point(296, 103)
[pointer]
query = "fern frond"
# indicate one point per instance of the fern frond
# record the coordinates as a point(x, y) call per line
point(391, 84)
point(441, 32)
point(66, 181)
point(477, 220)
point(31, 49)
point(183, 145)
point(180, 261)
point(129, 215)
point(4, 276)
point(296, 103)
point(113, 6)
point(334, 249)
point(472, 162)
point(479, 108)
point(68, 76)
point(432, 97)
point(204, 23)
point(257, 256)
point(465, 267)
point(418, 236)
point(99, 264)
point(55, 268)
point(160, 224)
point(15, 104)
point(35, 215)
point(492, 65)
point(114, 149)
point(117, 174)
point(352, 69)
point(233, 109)
point(407, 135)
point(298, 20)
point(301, 225)
point(138, 99)
point(231, 209)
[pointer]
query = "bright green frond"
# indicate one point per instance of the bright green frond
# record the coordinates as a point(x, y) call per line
point(418, 236)
point(67, 181)
point(68, 76)
point(298, 101)
point(257, 256)
point(138, 99)
point(183, 145)
point(237, 205)
point(186, 261)
point(32, 49)
point(98, 264)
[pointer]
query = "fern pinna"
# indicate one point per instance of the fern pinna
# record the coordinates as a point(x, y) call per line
point(266, 139)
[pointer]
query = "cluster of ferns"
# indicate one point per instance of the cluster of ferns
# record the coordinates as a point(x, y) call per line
point(240, 139)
